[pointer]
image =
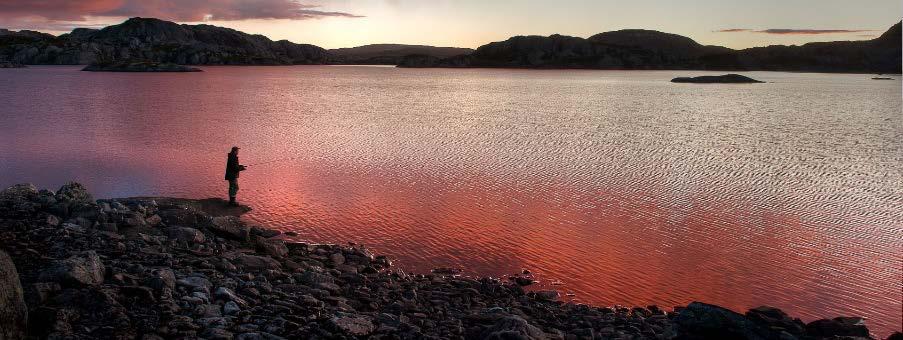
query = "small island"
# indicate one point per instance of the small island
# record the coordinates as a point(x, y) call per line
point(139, 66)
point(722, 79)
point(10, 64)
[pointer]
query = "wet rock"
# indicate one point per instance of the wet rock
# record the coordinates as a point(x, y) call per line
point(264, 233)
point(700, 320)
point(513, 327)
point(13, 313)
point(546, 295)
point(226, 294)
point(776, 320)
point(840, 326)
point(275, 248)
point(356, 325)
point(83, 269)
point(230, 227)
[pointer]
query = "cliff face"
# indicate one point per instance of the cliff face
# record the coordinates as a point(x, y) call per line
point(158, 41)
point(644, 49)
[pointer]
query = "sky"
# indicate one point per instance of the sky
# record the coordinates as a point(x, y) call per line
point(471, 23)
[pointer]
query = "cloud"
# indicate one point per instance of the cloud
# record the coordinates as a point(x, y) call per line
point(51, 13)
point(786, 31)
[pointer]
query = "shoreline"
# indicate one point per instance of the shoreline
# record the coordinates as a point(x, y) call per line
point(156, 267)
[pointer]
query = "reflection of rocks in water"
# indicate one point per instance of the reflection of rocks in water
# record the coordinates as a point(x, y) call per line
point(174, 268)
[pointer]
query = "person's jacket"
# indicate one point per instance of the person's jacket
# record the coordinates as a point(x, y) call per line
point(232, 167)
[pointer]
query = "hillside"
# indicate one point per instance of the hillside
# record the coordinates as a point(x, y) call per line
point(159, 41)
point(645, 49)
point(389, 54)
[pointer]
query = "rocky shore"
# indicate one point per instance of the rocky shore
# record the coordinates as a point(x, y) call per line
point(139, 66)
point(163, 268)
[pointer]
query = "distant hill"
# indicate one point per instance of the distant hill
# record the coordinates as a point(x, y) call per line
point(159, 41)
point(389, 54)
point(645, 49)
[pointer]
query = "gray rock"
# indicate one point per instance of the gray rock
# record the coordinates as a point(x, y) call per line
point(195, 283)
point(230, 227)
point(85, 269)
point(256, 263)
point(13, 312)
point(186, 234)
point(513, 327)
point(231, 308)
point(273, 247)
point(356, 325)
point(226, 294)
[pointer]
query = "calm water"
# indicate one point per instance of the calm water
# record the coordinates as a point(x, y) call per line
point(626, 188)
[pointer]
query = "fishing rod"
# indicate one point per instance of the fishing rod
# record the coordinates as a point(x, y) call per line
point(273, 161)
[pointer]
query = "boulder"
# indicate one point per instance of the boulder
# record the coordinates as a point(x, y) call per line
point(354, 325)
point(775, 320)
point(513, 327)
point(273, 247)
point(256, 263)
point(230, 227)
point(74, 192)
point(704, 321)
point(85, 269)
point(840, 326)
point(186, 234)
point(13, 312)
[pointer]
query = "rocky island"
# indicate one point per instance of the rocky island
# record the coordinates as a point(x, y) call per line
point(139, 66)
point(722, 79)
point(162, 268)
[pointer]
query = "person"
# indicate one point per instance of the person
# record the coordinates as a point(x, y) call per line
point(232, 170)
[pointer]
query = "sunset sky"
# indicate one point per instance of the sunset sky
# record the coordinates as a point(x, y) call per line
point(470, 23)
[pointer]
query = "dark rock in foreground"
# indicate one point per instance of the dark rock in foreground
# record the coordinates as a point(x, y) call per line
point(152, 268)
point(13, 313)
point(139, 66)
point(723, 79)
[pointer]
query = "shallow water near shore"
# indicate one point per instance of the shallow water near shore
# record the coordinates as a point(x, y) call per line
point(624, 187)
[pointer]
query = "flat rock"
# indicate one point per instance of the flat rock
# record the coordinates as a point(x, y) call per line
point(85, 269)
point(13, 312)
point(356, 325)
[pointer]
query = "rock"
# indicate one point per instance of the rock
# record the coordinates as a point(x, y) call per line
point(337, 259)
point(230, 227)
point(256, 263)
point(216, 334)
point(265, 233)
point(355, 325)
point(83, 269)
point(73, 192)
point(161, 278)
point(138, 66)
point(186, 234)
point(226, 294)
point(13, 312)
point(546, 295)
point(273, 247)
point(513, 327)
point(195, 283)
point(776, 320)
point(840, 326)
point(702, 320)
point(722, 79)
point(231, 308)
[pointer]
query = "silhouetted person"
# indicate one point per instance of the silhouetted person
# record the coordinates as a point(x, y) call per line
point(232, 170)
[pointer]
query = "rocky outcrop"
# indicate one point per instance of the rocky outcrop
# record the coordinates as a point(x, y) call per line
point(9, 64)
point(139, 66)
point(645, 49)
point(13, 314)
point(163, 268)
point(722, 79)
point(157, 41)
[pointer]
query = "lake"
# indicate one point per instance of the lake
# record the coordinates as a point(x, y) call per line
point(618, 187)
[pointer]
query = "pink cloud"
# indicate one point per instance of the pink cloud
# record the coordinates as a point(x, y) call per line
point(53, 13)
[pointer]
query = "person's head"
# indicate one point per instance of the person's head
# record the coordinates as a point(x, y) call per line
point(235, 150)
